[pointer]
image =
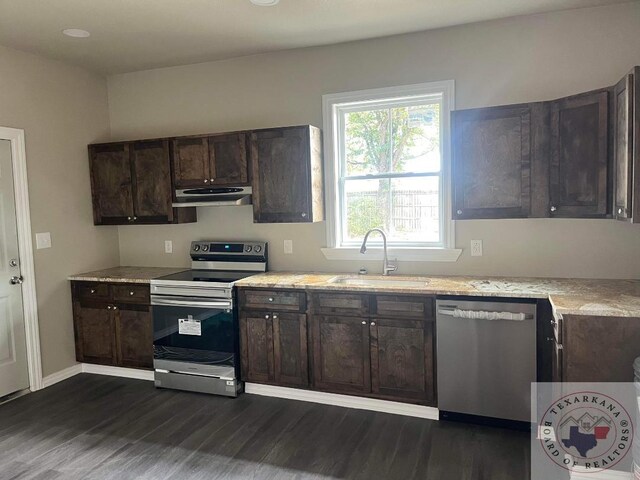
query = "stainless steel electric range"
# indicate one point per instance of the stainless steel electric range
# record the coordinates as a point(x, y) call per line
point(195, 322)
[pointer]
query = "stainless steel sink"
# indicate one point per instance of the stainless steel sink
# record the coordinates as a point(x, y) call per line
point(378, 282)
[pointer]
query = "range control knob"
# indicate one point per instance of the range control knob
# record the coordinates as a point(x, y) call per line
point(257, 249)
point(248, 248)
point(205, 248)
point(196, 248)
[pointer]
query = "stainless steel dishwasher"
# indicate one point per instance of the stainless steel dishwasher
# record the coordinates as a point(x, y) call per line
point(486, 358)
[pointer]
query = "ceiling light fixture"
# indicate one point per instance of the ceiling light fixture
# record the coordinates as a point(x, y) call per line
point(76, 33)
point(265, 3)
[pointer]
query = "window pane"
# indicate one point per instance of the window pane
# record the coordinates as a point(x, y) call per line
point(401, 139)
point(407, 209)
point(416, 138)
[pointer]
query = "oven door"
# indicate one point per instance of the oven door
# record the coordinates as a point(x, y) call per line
point(195, 336)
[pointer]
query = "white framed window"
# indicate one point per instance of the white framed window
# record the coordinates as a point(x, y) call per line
point(387, 165)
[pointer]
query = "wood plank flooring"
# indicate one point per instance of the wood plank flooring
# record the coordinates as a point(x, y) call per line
point(96, 427)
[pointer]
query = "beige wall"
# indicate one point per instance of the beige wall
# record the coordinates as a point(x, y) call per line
point(515, 60)
point(61, 109)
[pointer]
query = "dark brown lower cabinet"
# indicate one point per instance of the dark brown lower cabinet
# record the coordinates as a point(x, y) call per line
point(94, 327)
point(273, 348)
point(134, 334)
point(402, 359)
point(113, 324)
point(341, 361)
point(599, 349)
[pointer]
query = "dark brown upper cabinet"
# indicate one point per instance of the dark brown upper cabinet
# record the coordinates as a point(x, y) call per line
point(131, 184)
point(287, 175)
point(543, 159)
point(627, 148)
point(492, 162)
point(211, 160)
point(579, 156)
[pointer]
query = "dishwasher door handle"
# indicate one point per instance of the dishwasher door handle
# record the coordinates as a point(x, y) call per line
point(484, 315)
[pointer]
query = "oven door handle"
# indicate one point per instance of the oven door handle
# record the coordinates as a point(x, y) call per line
point(189, 303)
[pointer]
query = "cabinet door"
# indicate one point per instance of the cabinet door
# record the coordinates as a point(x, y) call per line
point(627, 124)
point(402, 363)
point(134, 336)
point(290, 349)
point(228, 159)
point(281, 175)
point(191, 162)
point(492, 162)
point(341, 360)
point(111, 185)
point(579, 153)
point(152, 182)
point(256, 347)
point(95, 334)
point(599, 349)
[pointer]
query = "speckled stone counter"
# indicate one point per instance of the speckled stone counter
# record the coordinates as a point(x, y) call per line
point(612, 298)
point(126, 274)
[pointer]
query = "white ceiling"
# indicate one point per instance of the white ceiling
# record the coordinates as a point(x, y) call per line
point(129, 35)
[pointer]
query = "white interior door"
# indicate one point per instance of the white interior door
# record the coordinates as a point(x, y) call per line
point(14, 373)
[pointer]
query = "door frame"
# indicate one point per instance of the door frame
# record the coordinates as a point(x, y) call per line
point(25, 248)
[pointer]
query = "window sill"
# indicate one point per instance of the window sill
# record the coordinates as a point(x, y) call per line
point(402, 254)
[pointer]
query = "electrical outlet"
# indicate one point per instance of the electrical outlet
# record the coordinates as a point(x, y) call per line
point(476, 248)
point(43, 240)
point(168, 246)
point(288, 247)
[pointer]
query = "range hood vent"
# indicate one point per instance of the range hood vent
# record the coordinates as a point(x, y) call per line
point(213, 197)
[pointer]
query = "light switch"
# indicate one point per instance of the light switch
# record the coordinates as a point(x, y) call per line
point(43, 240)
point(288, 246)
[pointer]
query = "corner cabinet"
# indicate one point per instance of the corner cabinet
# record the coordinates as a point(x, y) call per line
point(287, 175)
point(627, 148)
point(379, 346)
point(113, 324)
point(131, 184)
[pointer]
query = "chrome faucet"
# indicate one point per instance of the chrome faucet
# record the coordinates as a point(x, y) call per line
point(386, 266)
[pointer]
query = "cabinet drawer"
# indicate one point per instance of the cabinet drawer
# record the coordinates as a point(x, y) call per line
point(273, 300)
point(131, 293)
point(340, 304)
point(403, 306)
point(93, 291)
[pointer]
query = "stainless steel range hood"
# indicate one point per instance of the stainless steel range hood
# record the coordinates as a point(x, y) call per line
point(213, 197)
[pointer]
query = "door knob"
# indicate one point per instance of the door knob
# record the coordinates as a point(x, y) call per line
point(16, 280)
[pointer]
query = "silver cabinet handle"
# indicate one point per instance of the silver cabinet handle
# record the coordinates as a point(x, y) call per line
point(135, 218)
point(459, 212)
point(373, 324)
point(267, 317)
point(132, 293)
point(212, 180)
point(275, 317)
point(115, 308)
point(93, 291)
point(129, 218)
point(364, 322)
point(271, 299)
point(304, 215)
point(16, 280)
point(108, 307)
point(206, 181)
point(553, 208)
point(620, 211)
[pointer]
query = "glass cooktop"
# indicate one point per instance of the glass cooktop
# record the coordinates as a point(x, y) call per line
point(206, 276)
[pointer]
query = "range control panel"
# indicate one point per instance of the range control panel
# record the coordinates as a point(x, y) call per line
point(205, 247)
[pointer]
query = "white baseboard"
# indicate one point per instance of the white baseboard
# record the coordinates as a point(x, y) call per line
point(97, 370)
point(61, 375)
point(347, 401)
point(117, 371)
point(603, 475)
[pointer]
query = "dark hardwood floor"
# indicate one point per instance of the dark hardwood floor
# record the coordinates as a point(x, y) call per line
point(97, 427)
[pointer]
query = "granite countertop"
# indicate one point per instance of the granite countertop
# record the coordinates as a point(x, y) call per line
point(126, 274)
point(613, 298)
